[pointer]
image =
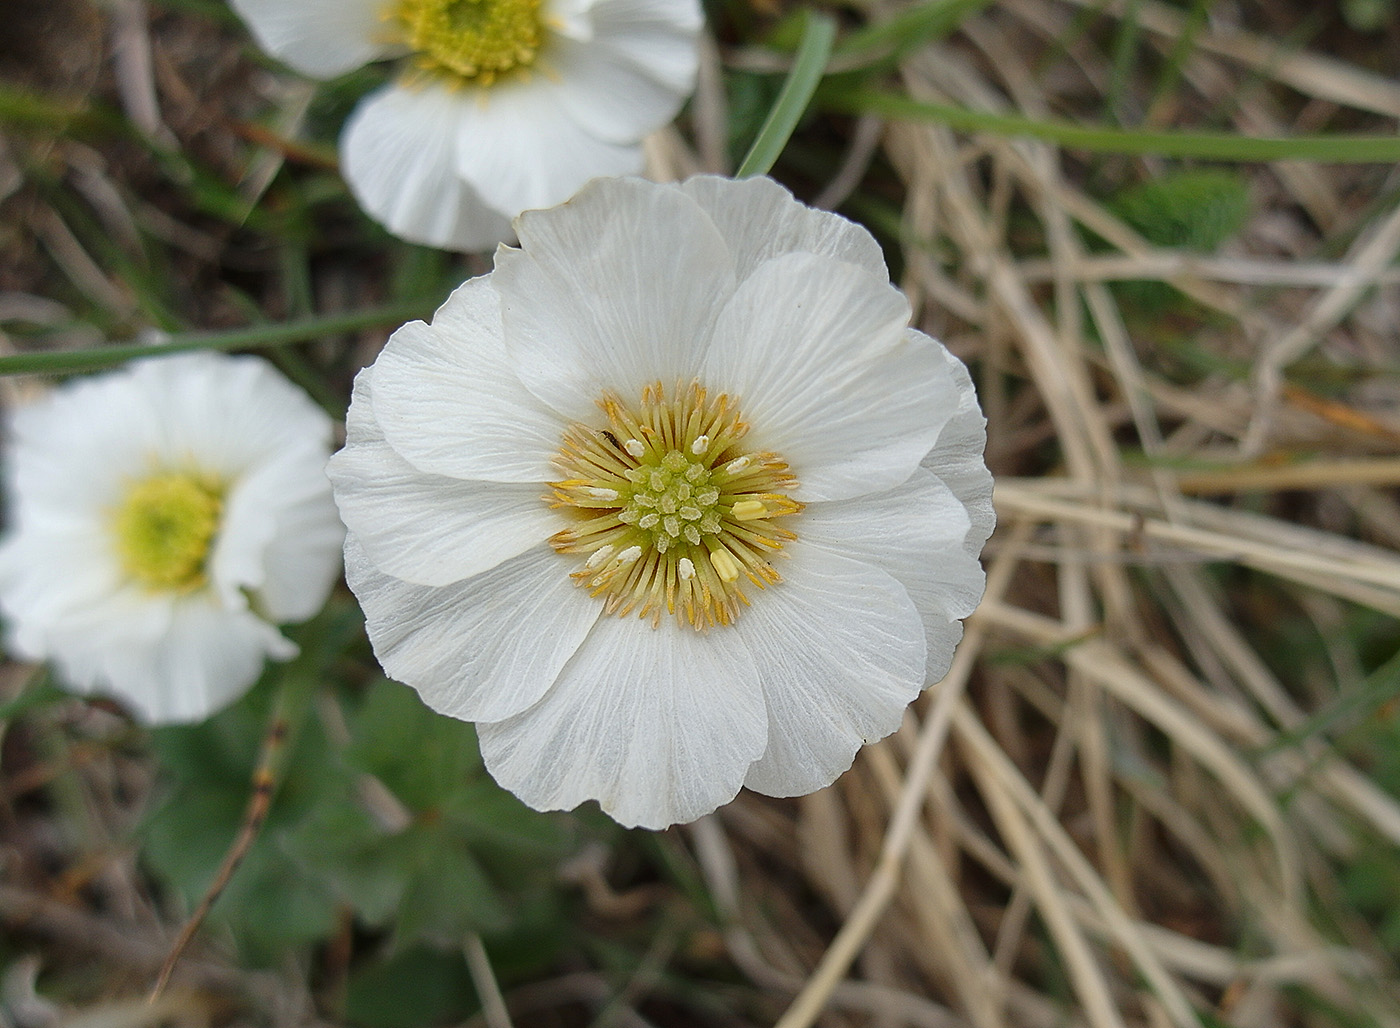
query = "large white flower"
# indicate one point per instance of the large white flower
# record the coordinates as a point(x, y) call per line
point(671, 502)
point(501, 105)
point(162, 519)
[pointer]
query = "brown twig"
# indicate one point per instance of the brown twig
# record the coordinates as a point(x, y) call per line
point(265, 778)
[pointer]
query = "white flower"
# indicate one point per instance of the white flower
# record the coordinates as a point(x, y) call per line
point(162, 519)
point(501, 106)
point(647, 501)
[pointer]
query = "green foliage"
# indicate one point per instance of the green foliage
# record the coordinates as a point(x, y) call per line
point(1368, 15)
point(1194, 210)
point(387, 815)
point(808, 67)
point(414, 988)
point(1334, 148)
point(269, 906)
point(749, 96)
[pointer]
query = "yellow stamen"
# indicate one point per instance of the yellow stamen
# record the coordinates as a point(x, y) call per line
point(165, 528)
point(749, 510)
point(725, 566)
point(471, 42)
point(669, 487)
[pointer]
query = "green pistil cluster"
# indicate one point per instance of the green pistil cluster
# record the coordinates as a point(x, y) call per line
point(674, 500)
point(165, 528)
point(471, 42)
point(671, 511)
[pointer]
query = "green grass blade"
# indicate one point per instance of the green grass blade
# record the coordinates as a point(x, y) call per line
point(298, 331)
point(813, 52)
point(23, 111)
point(1377, 689)
point(914, 27)
point(1219, 146)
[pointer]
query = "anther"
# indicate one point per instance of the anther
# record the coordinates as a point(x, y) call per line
point(685, 568)
point(725, 566)
point(738, 464)
point(599, 493)
point(635, 447)
point(749, 510)
point(599, 555)
point(701, 444)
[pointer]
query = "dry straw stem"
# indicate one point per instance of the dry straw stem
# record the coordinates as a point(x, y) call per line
point(1102, 817)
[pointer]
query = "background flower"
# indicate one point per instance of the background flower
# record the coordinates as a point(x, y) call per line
point(163, 519)
point(651, 592)
point(500, 105)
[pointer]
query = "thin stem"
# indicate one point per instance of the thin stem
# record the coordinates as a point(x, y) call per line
point(813, 52)
point(256, 337)
point(1220, 146)
point(288, 706)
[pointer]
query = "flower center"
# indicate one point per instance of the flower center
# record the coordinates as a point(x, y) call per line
point(164, 528)
point(471, 41)
point(673, 511)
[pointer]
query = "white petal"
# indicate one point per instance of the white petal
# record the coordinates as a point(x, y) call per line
point(427, 529)
point(74, 450)
point(60, 581)
point(226, 415)
point(207, 659)
point(398, 155)
point(55, 567)
point(521, 149)
point(817, 353)
point(280, 537)
point(302, 563)
point(660, 37)
point(957, 458)
point(203, 660)
point(319, 38)
point(658, 725)
point(485, 648)
point(448, 399)
point(839, 649)
point(619, 91)
point(570, 18)
point(915, 532)
point(614, 290)
point(762, 220)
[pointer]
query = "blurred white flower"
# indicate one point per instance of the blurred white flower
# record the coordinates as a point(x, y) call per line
point(162, 519)
point(671, 502)
point(500, 105)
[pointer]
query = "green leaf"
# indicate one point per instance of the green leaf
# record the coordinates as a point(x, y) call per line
point(470, 849)
point(807, 67)
point(297, 331)
point(1196, 209)
point(416, 987)
point(1221, 146)
point(269, 904)
point(39, 691)
point(423, 757)
point(915, 26)
point(447, 891)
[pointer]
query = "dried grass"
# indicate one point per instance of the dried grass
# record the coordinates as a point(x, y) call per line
point(1101, 834)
